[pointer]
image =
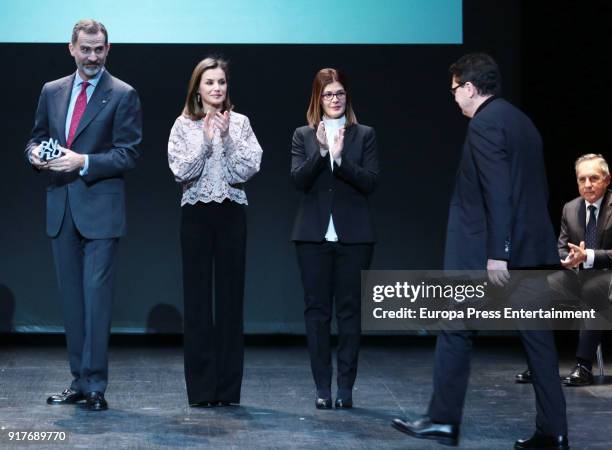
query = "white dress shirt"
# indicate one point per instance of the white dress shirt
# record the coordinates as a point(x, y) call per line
point(332, 128)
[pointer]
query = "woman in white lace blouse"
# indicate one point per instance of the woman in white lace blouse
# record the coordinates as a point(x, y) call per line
point(212, 152)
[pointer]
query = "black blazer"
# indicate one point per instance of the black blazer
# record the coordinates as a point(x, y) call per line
point(573, 225)
point(342, 193)
point(499, 208)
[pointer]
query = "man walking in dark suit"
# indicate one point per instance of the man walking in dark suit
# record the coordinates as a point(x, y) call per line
point(498, 220)
point(96, 119)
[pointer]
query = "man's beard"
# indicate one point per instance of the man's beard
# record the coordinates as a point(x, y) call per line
point(91, 70)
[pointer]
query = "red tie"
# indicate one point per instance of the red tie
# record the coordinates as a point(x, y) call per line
point(77, 113)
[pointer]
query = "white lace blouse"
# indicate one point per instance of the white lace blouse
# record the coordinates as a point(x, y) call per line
point(213, 171)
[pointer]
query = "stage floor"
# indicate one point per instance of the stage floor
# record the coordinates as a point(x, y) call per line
point(148, 406)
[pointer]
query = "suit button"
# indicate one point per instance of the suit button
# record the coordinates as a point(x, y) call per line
point(330, 189)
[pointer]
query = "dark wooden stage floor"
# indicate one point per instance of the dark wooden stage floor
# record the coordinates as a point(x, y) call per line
point(148, 407)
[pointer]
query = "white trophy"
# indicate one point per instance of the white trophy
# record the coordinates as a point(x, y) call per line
point(49, 150)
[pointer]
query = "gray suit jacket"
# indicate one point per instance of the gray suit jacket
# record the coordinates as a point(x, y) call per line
point(573, 225)
point(109, 132)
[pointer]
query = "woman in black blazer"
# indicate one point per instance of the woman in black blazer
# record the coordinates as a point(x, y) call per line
point(335, 164)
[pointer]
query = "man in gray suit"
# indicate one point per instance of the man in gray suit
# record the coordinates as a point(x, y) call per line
point(585, 245)
point(96, 119)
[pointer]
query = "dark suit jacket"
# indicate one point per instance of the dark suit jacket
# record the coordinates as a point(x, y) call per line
point(573, 225)
point(342, 193)
point(499, 208)
point(109, 132)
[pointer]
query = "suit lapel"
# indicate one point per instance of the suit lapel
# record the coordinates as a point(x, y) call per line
point(581, 220)
point(603, 218)
point(97, 102)
point(349, 139)
point(314, 145)
point(62, 100)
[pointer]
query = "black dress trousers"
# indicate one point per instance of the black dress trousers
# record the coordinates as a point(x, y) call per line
point(332, 270)
point(584, 289)
point(452, 366)
point(213, 240)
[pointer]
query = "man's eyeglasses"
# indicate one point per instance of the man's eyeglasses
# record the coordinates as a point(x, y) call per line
point(453, 89)
point(328, 96)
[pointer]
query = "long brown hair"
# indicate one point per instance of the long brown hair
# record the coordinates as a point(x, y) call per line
point(194, 109)
point(322, 79)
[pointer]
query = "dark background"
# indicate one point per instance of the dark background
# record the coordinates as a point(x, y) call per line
point(553, 56)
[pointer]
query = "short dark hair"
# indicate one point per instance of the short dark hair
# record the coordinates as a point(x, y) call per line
point(479, 69)
point(88, 26)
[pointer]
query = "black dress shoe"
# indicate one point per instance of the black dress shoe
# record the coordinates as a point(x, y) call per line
point(95, 401)
point(203, 404)
point(67, 397)
point(580, 376)
point(343, 403)
point(541, 441)
point(224, 403)
point(523, 377)
point(323, 403)
point(424, 428)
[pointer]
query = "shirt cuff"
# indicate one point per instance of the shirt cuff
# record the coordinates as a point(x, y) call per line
point(85, 168)
point(588, 264)
point(323, 151)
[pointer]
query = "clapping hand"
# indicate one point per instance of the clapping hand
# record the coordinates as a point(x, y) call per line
point(338, 146)
point(322, 138)
point(216, 120)
point(221, 122)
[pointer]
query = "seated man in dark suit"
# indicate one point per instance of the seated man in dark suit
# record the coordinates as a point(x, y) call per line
point(585, 249)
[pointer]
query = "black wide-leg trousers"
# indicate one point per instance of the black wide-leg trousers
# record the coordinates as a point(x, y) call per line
point(213, 241)
point(332, 271)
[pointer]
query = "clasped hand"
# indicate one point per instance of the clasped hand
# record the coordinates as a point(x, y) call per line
point(68, 162)
point(576, 256)
point(216, 121)
point(338, 144)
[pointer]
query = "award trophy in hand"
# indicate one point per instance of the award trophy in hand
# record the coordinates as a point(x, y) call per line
point(49, 150)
